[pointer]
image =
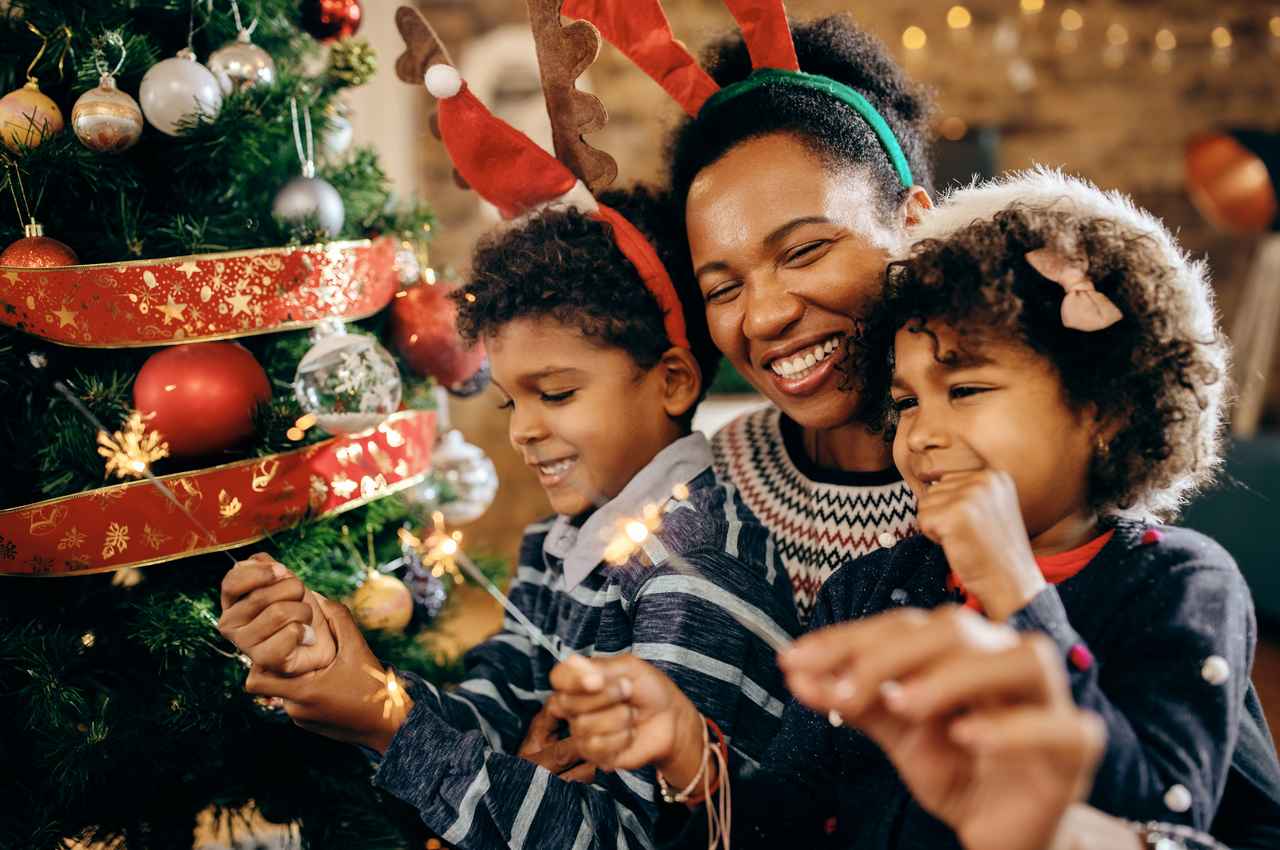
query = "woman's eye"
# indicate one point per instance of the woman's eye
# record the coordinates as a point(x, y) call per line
point(806, 253)
point(966, 391)
point(554, 398)
point(507, 404)
point(723, 292)
point(904, 403)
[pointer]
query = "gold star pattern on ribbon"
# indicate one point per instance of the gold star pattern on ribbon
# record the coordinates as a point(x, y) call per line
point(188, 268)
point(239, 303)
point(65, 317)
point(172, 311)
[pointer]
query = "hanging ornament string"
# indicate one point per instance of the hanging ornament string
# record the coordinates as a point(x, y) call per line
point(150, 476)
point(65, 32)
point(114, 39)
point(15, 178)
point(307, 157)
point(240, 27)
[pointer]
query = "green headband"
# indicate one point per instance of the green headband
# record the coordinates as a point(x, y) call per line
point(826, 85)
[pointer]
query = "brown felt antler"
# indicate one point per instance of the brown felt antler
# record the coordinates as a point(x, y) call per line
point(423, 48)
point(564, 53)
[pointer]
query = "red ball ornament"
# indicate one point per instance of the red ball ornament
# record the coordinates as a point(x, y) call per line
point(424, 326)
point(331, 20)
point(202, 395)
point(37, 251)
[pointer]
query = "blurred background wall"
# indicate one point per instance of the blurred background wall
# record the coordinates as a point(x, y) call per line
point(1110, 90)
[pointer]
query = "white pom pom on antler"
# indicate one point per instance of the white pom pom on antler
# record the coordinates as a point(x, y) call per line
point(443, 81)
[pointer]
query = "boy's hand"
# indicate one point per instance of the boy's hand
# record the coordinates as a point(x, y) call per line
point(977, 719)
point(345, 700)
point(272, 618)
point(976, 519)
point(625, 714)
point(544, 747)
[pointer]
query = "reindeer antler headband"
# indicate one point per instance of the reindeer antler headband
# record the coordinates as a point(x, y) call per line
point(507, 168)
point(640, 29)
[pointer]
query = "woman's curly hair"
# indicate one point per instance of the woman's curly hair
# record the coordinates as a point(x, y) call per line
point(1159, 373)
point(562, 264)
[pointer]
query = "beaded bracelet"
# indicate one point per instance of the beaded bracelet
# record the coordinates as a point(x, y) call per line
point(1172, 836)
point(683, 796)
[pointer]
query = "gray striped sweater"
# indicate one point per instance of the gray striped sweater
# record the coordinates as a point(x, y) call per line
point(710, 611)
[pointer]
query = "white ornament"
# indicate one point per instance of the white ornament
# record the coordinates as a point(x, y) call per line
point(443, 81)
point(834, 718)
point(349, 381)
point(1215, 670)
point(469, 473)
point(241, 65)
point(310, 197)
point(1178, 799)
point(179, 89)
point(336, 136)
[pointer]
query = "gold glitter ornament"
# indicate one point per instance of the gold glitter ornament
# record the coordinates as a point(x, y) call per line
point(353, 62)
point(106, 119)
point(28, 117)
point(382, 603)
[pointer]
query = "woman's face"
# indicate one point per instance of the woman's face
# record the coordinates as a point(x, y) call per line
point(788, 253)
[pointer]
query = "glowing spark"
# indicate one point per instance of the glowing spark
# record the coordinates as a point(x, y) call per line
point(439, 551)
point(631, 535)
point(391, 694)
point(131, 450)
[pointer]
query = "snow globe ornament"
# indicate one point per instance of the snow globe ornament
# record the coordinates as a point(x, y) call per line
point(348, 381)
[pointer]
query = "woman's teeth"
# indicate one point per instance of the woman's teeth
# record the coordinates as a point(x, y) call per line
point(558, 467)
point(799, 365)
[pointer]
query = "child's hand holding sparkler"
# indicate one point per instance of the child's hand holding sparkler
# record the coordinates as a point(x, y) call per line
point(271, 617)
point(329, 679)
point(625, 714)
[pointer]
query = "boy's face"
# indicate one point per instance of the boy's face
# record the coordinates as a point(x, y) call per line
point(584, 416)
point(989, 404)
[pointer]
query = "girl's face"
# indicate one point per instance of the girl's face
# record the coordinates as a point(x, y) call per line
point(968, 403)
point(788, 252)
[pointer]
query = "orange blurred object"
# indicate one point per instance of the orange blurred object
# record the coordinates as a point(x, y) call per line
point(1230, 184)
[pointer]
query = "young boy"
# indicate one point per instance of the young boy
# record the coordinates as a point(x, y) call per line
point(601, 395)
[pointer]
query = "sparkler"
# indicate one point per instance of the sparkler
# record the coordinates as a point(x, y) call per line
point(144, 472)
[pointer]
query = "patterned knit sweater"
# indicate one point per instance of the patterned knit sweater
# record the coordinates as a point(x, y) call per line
point(819, 518)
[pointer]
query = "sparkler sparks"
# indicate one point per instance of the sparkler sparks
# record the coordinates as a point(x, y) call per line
point(390, 693)
point(439, 551)
point(131, 450)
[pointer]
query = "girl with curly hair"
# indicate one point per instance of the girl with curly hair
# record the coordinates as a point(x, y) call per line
point(1047, 365)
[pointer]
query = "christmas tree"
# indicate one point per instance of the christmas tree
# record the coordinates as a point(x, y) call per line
point(193, 312)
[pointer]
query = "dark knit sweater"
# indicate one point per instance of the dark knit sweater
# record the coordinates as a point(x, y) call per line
point(710, 611)
point(1150, 612)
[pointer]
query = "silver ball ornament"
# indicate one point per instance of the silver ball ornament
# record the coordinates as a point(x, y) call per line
point(106, 119)
point(241, 65)
point(469, 473)
point(310, 197)
point(178, 89)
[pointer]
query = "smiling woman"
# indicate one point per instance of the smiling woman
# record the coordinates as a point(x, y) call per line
point(794, 200)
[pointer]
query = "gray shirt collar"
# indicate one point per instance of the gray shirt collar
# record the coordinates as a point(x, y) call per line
point(582, 549)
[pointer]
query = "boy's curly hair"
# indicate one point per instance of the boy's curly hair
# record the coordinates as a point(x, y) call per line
point(1160, 372)
point(562, 264)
